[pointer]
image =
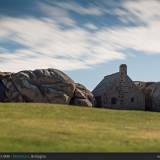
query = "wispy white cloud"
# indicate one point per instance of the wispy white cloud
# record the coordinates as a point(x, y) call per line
point(144, 39)
point(139, 11)
point(91, 26)
point(144, 36)
point(59, 15)
point(48, 45)
point(45, 42)
point(75, 7)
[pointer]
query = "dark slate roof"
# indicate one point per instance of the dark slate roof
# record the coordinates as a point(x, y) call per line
point(107, 81)
point(110, 80)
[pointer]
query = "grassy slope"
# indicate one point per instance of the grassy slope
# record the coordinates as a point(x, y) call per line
point(44, 127)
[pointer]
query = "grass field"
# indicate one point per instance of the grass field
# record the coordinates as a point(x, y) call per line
point(59, 128)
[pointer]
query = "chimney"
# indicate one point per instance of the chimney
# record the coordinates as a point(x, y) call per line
point(123, 71)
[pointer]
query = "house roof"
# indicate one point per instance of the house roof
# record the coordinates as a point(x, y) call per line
point(108, 81)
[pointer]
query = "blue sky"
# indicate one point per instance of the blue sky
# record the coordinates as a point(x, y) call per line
point(87, 39)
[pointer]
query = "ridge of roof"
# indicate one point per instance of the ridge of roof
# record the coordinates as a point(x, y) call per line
point(112, 75)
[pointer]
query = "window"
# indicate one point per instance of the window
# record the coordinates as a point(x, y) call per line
point(132, 99)
point(113, 100)
point(121, 101)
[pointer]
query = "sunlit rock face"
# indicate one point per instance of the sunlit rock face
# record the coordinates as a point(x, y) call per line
point(82, 96)
point(43, 85)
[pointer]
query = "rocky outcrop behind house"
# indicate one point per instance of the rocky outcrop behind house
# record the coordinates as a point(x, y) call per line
point(151, 91)
point(43, 85)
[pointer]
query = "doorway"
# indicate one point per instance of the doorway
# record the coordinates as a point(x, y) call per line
point(98, 101)
point(113, 100)
point(2, 91)
point(148, 103)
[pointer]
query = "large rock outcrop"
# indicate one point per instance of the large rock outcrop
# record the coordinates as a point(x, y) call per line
point(43, 85)
point(151, 91)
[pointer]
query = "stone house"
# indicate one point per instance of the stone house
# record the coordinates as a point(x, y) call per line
point(118, 91)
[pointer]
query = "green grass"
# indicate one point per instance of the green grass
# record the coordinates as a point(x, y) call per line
point(59, 128)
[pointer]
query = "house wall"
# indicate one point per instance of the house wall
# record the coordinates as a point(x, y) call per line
point(127, 103)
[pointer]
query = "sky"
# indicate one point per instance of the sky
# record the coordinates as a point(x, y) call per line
point(87, 39)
